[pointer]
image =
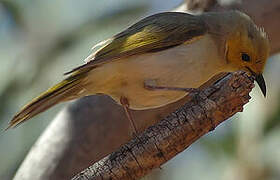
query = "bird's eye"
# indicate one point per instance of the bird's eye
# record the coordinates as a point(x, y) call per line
point(245, 57)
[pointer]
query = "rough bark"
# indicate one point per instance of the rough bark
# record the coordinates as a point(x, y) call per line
point(92, 127)
point(173, 134)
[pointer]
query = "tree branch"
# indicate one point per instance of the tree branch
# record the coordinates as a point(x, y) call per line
point(93, 127)
point(173, 134)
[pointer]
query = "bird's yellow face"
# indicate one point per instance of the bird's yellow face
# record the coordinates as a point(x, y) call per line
point(248, 50)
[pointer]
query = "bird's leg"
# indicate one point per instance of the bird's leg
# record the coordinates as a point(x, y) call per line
point(150, 84)
point(172, 88)
point(124, 102)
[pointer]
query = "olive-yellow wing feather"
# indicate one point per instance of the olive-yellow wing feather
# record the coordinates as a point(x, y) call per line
point(154, 33)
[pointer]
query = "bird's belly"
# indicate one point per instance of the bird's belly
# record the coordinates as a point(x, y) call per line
point(171, 68)
point(138, 96)
point(129, 83)
point(141, 98)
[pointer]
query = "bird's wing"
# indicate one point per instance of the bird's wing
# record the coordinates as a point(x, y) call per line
point(151, 34)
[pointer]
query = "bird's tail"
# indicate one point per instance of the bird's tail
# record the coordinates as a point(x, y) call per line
point(65, 90)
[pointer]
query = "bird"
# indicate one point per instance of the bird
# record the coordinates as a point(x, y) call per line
point(160, 59)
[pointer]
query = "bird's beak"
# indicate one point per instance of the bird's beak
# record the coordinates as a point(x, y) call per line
point(260, 80)
point(261, 83)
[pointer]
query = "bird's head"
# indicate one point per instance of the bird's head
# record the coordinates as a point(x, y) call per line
point(247, 48)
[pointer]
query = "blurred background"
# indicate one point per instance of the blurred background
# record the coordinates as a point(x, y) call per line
point(40, 40)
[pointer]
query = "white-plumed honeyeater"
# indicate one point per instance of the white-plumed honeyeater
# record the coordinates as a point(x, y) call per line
point(152, 62)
